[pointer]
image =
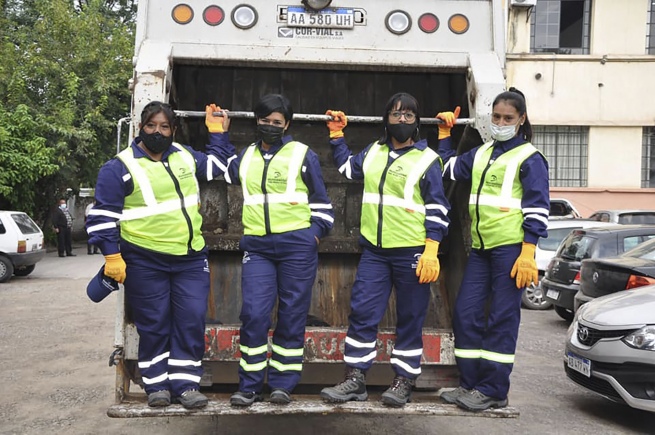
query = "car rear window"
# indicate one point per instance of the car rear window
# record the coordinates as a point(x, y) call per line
point(637, 218)
point(555, 237)
point(25, 224)
point(645, 250)
point(577, 247)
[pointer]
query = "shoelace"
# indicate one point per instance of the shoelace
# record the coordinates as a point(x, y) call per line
point(477, 395)
point(399, 384)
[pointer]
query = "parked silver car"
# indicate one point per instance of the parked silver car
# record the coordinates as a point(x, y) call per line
point(610, 347)
point(624, 216)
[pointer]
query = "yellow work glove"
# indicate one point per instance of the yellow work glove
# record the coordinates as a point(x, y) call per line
point(428, 265)
point(338, 123)
point(115, 267)
point(215, 124)
point(525, 268)
point(448, 119)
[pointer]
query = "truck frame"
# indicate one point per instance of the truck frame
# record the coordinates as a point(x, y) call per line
point(351, 56)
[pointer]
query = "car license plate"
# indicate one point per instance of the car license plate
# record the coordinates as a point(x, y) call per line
point(553, 294)
point(336, 18)
point(579, 364)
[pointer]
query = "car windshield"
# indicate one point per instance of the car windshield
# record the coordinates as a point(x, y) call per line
point(637, 218)
point(555, 237)
point(644, 250)
point(25, 224)
point(577, 247)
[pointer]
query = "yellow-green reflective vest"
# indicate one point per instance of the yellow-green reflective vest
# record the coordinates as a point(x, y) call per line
point(393, 211)
point(275, 198)
point(496, 193)
point(153, 215)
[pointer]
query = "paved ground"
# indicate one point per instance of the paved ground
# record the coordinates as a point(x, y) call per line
point(54, 376)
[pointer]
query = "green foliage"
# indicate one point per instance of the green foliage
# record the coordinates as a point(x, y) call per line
point(63, 78)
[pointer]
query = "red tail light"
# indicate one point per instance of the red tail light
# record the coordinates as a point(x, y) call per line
point(638, 281)
point(22, 246)
point(576, 280)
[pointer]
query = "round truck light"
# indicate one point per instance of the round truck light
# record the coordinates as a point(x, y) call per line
point(182, 14)
point(428, 23)
point(244, 16)
point(213, 15)
point(398, 22)
point(316, 5)
point(458, 24)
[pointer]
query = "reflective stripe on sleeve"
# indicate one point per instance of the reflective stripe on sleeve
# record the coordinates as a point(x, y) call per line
point(105, 226)
point(106, 213)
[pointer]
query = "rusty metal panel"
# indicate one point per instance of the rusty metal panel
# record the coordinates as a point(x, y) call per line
point(328, 344)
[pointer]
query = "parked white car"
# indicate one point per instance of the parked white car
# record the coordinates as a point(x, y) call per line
point(21, 244)
point(558, 229)
point(610, 347)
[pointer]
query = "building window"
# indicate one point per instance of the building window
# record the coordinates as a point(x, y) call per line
point(566, 151)
point(650, 36)
point(561, 26)
point(648, 158)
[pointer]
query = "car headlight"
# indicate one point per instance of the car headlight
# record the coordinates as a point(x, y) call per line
point(643, 338)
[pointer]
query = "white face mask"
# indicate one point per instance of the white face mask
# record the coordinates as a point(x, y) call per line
point(506, 132)
point(62, 206)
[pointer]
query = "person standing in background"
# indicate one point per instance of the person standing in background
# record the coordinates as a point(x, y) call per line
point(63, 225)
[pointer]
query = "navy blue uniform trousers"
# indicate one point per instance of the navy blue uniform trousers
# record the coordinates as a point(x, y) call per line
point(378, 270)
point(167, 295)
point(277, 267)
point(486, 344)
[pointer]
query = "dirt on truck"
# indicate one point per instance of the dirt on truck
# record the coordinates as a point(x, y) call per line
point(351, 55)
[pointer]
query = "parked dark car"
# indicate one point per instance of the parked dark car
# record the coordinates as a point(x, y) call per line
point(562, 279)
point(603, 276)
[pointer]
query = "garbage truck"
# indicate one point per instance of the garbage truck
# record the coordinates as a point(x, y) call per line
point(348, 55)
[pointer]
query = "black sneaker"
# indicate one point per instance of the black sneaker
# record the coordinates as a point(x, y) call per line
point(452, 395)
point(398, 394)
point(353, 387)
point(192, 399)
point(159, 399)
point(474, 400)
point(280, 396)
point(245, 399)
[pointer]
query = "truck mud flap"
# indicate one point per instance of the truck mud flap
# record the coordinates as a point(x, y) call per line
point(423, 403)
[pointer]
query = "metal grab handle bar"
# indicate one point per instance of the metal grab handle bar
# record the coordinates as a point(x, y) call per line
point(308, 117)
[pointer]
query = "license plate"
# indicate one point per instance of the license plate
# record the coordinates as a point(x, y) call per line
point(553, 294)
point(337, 18)
point(579, 364)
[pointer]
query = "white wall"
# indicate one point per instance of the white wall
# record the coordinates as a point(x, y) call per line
point(619, 27)
point(614, 157)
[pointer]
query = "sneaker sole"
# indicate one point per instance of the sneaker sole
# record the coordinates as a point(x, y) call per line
point(449, 399)
point(392, 401)
point(243, 403)
point(474, 409)
point(345, 398)
point(159, 403)
point(279, 400)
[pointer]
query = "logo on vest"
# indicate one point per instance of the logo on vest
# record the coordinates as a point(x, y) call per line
point(397, 172)
point(492, 181)
point(183, 173)
point(277, 178)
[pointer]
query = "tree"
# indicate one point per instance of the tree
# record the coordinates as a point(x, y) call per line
point(66, 64)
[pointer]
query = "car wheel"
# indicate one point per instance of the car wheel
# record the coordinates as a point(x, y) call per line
point(24, 271)
point(6, 269)
point(533, 298)
point(564, 313)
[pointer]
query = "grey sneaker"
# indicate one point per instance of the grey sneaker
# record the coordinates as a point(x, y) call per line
point(353, 387)
point(477, 401)
point(241, 398)
point(192, 399)
point(159, 399)
point(280, 396)
point(398, 394)
point(452, 395)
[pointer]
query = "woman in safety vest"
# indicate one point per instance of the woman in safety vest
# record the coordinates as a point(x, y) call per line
point(286, 211)
point(404, 218)
point(150, 192)
point(508, 205)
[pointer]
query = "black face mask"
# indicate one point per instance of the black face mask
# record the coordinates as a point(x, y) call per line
point(156, 143)
point(401, 132)
point(270, 134)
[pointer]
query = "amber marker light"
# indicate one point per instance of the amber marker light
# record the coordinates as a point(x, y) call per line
point(428, 23)
point(458, 24)
point(213, 15)
point(182, 14)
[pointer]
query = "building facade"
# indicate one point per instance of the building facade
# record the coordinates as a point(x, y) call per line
point(587, 68)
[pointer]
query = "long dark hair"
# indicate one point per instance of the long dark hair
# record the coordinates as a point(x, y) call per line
point(407, 102)
point(516, 99)
point(155, 107)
